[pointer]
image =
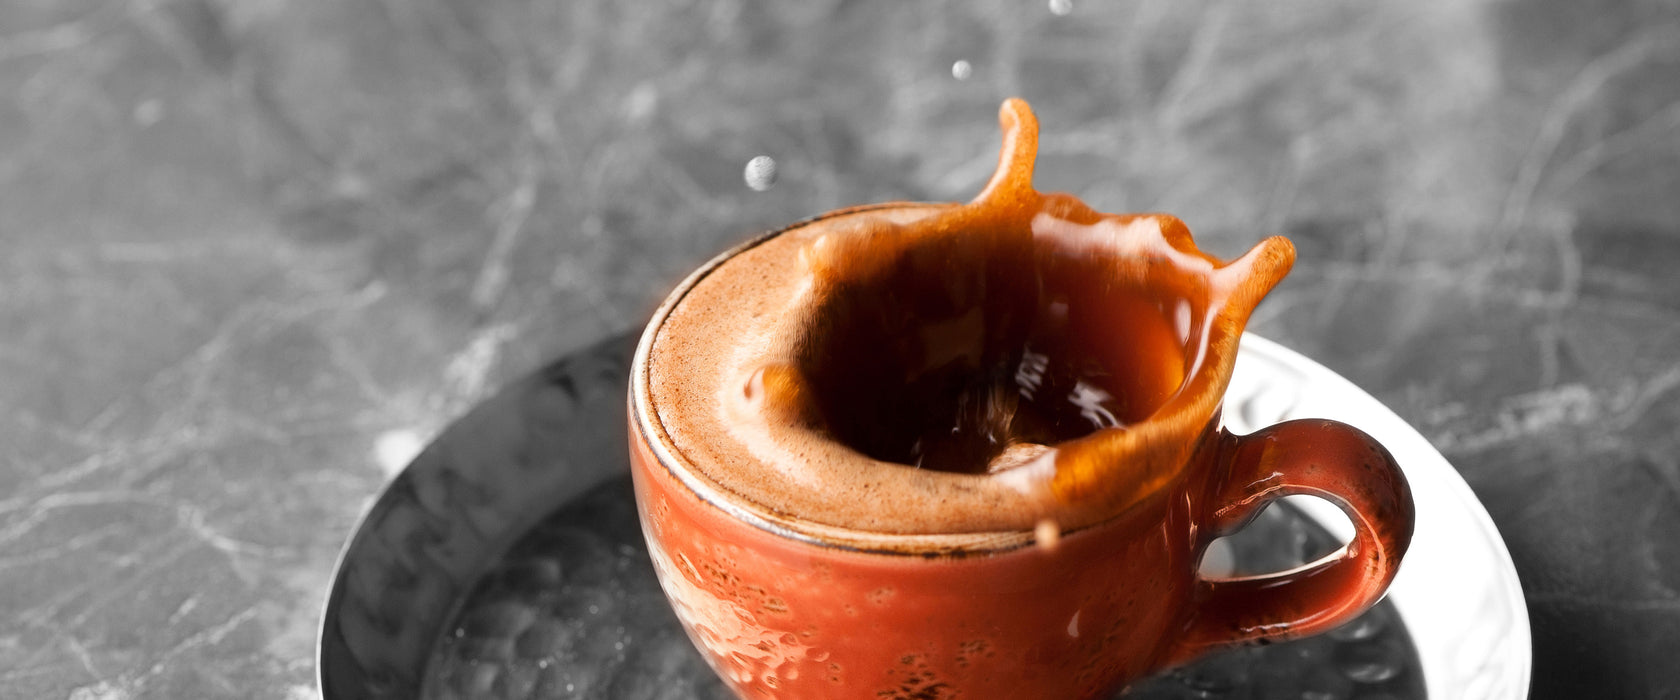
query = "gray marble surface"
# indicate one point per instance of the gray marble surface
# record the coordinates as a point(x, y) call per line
point(254, 254)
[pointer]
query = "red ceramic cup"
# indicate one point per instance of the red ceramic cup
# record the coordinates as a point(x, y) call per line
point(786, 608)
point(781, 613)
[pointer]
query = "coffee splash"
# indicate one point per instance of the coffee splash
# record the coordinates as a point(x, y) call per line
point(990, 365)
point(947, 352)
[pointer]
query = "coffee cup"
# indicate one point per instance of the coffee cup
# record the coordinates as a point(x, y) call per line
point(974, 450)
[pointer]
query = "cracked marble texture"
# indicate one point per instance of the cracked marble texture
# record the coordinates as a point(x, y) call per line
point(254, 254)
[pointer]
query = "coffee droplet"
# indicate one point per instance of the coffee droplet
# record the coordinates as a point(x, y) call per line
point(961, 70)
point(761, 173)
point(1048, 534)
point(1061, 8)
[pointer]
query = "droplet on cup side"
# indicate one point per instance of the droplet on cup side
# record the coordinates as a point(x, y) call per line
point(1047, 534)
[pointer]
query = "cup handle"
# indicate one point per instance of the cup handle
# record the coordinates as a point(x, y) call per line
point(1322, 458)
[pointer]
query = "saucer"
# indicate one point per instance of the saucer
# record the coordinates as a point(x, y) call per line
point(506, 562)
point(1457, 589)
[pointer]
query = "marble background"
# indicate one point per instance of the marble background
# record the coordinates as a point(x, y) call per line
point(254, 254)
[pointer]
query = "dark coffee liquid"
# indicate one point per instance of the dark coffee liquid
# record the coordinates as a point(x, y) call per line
point(943, 355)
